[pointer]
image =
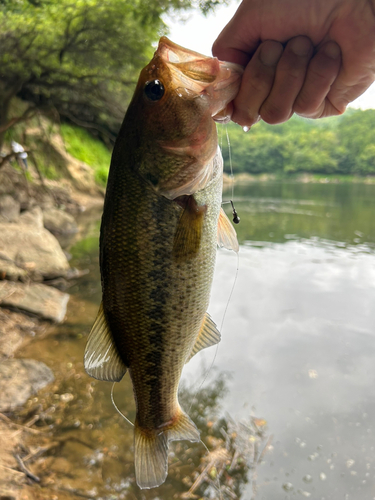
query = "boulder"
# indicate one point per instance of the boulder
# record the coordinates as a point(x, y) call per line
point(33, 248)
point(14, 327)
point(10, 271)
point(33, 217)
point(9, 208)
point(59, 222)
point(35, 298)
point(20, 379)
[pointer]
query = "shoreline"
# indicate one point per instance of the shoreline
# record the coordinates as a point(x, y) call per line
point(25, 318)
point(302, 178)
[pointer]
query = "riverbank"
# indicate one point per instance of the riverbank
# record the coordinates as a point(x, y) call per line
point(38, 220)
point(302, 178)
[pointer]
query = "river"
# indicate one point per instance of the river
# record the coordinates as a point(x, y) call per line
point(292, 386)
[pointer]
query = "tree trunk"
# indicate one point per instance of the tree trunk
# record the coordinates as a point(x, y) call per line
point(4, 111)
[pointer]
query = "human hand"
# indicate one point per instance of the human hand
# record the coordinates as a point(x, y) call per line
point(311, 57)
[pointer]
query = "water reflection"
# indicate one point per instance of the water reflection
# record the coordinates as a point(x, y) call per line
point(90, 454)
point(300, 334)
point(298, 340)
point(338, 212)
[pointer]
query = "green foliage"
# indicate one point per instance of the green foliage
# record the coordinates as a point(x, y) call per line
point(339, 145)
point(80, 144)
point(79, 57)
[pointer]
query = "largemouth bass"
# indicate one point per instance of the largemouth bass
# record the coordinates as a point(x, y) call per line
point(161, 224)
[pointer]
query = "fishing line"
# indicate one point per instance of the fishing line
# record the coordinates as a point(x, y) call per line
point(230, 161)
point(221, 329)
point(236, 220)
point(117, 408)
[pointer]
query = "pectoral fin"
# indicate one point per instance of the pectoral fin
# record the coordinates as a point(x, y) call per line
point(101, 359)
point(226, 235)
point(209, 335)
point(188, 235)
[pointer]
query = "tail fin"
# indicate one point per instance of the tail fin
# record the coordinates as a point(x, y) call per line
point(151, 458)
point(151, 450)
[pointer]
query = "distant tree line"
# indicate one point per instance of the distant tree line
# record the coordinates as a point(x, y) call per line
point(340, 145)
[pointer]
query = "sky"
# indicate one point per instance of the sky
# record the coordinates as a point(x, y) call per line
point(199, 32)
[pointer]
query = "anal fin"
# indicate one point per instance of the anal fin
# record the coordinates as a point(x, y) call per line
point(208, 336)
point(226, 234)
point(183, 428)
point(102, 360)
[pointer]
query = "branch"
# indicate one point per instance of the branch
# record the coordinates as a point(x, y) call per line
point(25, 470)
point(81, 123)
point(4, 159)
point(29, 113)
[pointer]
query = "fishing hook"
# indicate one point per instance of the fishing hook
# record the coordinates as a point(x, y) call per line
point(236, 218)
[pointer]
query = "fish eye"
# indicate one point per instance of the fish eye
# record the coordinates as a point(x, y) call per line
point(154, 90)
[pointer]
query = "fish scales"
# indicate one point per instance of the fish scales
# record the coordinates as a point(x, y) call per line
point(165, 301)
point(160, 227)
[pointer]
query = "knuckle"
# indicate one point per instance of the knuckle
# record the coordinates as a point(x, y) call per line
point(304, 104)
point(308, 112)
point(294, 76)
point(320, 78)
point(261, 82)
point(259, 77)
point(272, 113)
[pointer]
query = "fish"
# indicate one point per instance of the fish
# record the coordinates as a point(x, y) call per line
point(161, 224)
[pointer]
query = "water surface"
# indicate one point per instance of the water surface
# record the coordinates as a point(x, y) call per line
point(295, 364)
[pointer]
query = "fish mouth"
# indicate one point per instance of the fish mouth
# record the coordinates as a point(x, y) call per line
point(196, 75)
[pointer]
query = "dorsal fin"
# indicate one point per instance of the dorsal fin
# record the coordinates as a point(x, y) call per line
point(208, 335)
point(188, 235)
point(101, 359)
point(226, 234)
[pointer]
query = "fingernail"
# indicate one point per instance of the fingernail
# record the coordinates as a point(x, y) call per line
point(301, 46)
point(270, 53)
point(332, 50)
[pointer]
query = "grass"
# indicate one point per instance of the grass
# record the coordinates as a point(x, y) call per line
point(80, 144)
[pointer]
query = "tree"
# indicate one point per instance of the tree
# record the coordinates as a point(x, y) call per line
point(355, 132)
point(80, 57)
point(313, 151)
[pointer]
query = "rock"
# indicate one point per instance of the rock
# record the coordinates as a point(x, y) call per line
point(20, 379)
point(34, 298)
point(13, 329)
point(9, 271)
point(9, 208)
point(10, 440)
point(60, 222)
point(33, 217)
point(34, 249)
point(10, 342)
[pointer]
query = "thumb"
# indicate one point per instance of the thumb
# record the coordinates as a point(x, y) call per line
point(239, 39)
